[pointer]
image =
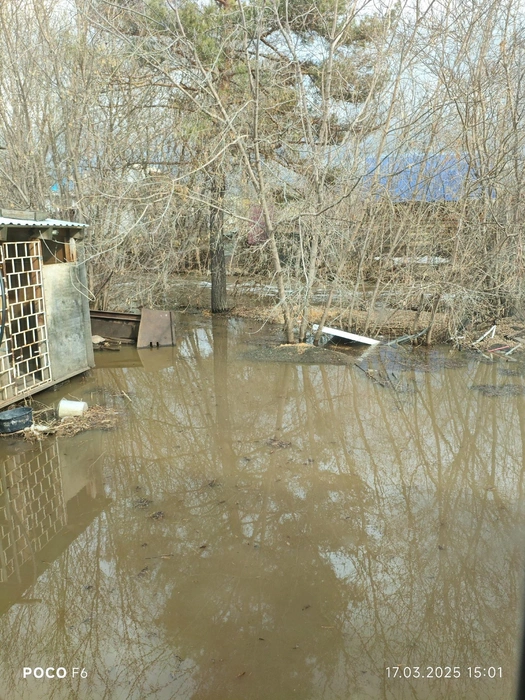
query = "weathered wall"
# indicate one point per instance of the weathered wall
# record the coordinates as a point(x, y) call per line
point(68, 324)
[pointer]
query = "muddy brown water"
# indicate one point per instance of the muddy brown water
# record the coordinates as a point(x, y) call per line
point(258, 529)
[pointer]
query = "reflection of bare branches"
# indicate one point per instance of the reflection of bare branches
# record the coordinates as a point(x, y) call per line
point(383, 533)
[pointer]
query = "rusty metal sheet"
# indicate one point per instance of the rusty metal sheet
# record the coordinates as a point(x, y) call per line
point(156, 329)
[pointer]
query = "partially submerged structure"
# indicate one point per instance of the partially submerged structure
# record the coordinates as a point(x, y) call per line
point(44, 308)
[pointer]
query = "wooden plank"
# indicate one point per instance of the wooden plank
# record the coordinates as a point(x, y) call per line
point(70, 251)
point(348, 336)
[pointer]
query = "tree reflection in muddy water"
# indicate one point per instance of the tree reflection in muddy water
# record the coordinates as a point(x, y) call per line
point(281, 530)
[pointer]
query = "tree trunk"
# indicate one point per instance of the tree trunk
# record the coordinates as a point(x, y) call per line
point(219, 301)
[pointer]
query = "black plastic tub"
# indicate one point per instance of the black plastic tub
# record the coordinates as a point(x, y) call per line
point(16, 419)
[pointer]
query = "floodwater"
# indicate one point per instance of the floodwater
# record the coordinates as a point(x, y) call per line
point(263, 530)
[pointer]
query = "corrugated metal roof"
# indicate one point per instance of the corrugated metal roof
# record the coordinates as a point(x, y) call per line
point(46, 223)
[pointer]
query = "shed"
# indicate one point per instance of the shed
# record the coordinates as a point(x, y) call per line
point(44, 306)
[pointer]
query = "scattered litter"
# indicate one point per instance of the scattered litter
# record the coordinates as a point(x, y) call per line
point(491, 330)
point(512, 350)
point(95, 418)
point(36, 428)
point(71, 408)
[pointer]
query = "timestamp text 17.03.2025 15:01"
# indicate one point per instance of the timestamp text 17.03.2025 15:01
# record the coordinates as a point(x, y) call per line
point(426, 672)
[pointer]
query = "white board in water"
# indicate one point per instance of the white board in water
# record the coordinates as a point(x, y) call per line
point(348, 336)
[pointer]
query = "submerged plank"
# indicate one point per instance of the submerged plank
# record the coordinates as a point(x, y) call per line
point(348, 336)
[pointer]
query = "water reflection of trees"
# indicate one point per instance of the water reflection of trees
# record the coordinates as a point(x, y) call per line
point(318, 527)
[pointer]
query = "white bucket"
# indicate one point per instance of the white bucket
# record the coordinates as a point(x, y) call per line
point(71, 408)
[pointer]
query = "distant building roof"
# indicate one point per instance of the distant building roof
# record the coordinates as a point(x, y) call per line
point(415, 176)
point(43, 223)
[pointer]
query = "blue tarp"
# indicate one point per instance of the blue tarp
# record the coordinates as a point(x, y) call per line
point(413, 176)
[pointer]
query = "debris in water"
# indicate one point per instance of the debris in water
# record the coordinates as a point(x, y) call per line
point(95, 418)
point(491, 331)
point(347, 336)
point(158, 515)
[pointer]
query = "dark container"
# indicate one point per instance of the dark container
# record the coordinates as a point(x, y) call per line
point(16, 419)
